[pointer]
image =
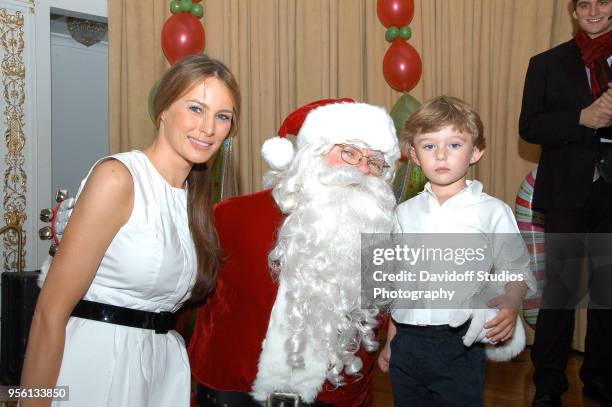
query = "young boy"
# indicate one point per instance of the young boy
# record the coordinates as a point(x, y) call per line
point(428, 362)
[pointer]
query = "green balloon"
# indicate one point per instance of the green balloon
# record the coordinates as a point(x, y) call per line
point(175, 7)
point(409, 179)
point(402, 109)
point(392, 33)
point(197, 10)
point(185, 5)
point(408, 182)
point(405, 32)
point(151, 101)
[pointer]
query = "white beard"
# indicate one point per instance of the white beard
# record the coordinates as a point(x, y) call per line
point(317, 323)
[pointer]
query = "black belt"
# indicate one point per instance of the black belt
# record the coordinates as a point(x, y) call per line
point(207, 397)
point(160, 322)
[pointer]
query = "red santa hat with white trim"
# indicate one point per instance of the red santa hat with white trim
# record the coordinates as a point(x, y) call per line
point(333, 121)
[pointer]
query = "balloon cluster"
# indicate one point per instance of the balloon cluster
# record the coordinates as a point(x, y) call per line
point(402, 63)
point(189, 6)
point(182, 34)
point(409, 179)
point(402, 70)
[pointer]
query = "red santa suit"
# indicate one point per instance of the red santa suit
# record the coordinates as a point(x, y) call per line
point(251, 336)
point(230, 328)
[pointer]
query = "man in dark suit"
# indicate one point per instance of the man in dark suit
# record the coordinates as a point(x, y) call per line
point(567, 109)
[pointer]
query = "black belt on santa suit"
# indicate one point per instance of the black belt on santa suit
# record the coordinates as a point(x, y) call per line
point(207, 397)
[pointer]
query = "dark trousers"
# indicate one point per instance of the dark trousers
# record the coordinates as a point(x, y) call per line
point(431, 367)
point(565, 258)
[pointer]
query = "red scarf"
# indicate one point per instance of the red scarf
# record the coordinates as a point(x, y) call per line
point(595, 53)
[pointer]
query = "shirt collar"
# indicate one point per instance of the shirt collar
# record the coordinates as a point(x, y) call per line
point(473, 189)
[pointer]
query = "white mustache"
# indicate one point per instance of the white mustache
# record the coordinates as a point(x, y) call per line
point(341, 176)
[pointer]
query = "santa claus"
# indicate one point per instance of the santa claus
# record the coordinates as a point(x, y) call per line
point(285, 323)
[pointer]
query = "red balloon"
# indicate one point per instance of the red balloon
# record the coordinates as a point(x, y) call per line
point(396, 13)
point(402, 66)
point(182, 35)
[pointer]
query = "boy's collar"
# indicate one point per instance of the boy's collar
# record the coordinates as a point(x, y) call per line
point(474, 187)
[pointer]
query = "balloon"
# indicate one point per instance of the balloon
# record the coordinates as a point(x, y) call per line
point(175, 7)
point(222, 173)
point(392, 33)
point(408, 182)
point(395, 12)
point(402, 110)
point(405, 32)
point(185, 5)
point(409, 179)
point(182, 35)
point(531, 224)
point(151, 100)
point(197, 10)
point(402, 66)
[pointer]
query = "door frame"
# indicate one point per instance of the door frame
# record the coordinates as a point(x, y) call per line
point(41, 184)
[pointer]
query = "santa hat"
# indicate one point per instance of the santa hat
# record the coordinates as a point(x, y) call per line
point(333, 121)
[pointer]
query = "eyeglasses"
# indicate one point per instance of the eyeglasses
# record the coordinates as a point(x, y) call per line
point(352, 155)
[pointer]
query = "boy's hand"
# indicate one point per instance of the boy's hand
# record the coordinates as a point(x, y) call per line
point(384, 356)
point(501, 327)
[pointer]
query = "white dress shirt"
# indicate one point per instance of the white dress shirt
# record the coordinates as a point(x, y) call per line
point(468, 211)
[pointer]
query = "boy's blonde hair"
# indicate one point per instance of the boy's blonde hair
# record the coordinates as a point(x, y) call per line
point(438, 113)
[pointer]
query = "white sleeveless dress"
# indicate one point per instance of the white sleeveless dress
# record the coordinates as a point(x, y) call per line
point(150, 265)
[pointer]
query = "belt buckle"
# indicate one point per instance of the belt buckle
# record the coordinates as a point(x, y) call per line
point(160, 318)
point(278, 398)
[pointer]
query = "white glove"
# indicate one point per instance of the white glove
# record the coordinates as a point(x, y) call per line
point(63, 215)
point(460, 317)
point(476, 331)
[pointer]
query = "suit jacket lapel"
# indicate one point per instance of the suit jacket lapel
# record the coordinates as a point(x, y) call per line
point(572, 62)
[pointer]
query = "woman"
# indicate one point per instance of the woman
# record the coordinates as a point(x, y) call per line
point(141, 241)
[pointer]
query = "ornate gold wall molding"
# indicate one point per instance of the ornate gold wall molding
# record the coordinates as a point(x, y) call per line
point(13, 92)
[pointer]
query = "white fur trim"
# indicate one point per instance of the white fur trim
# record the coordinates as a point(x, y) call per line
point(478, 333)
point(277, 152)
point(357, 123)
point(274, 373)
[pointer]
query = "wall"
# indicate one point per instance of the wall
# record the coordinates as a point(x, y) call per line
point(79, 114)
point(43, 190)
point(80, 8)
